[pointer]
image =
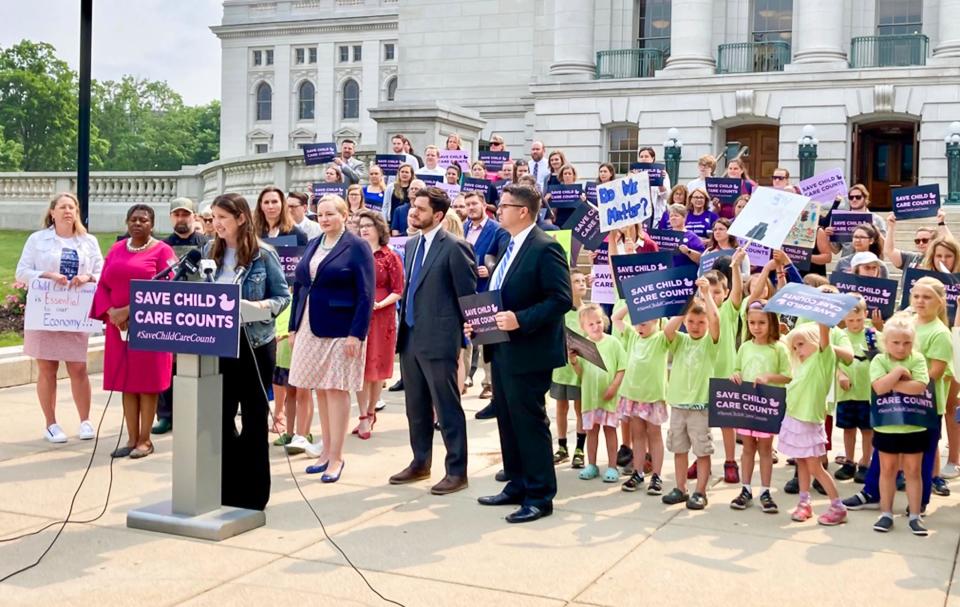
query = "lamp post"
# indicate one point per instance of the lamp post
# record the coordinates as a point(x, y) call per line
point(672, 151)
point(952, 140)
point(807, 151)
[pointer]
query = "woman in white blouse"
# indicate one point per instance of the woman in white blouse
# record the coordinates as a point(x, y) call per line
point(66, 254)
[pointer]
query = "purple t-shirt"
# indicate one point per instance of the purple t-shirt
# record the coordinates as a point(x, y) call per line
point(702, 223)
point(693, 242)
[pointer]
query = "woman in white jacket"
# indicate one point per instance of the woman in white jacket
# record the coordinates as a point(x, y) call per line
point(62, 252)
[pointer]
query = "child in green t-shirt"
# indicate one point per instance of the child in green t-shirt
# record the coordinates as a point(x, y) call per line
point(565, 383)
point(853, 396)
point(284, 399)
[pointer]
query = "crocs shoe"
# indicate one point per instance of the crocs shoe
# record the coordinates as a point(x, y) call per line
point(731, 472)
point(590, 472)
point(675, 497)
point(611, 475)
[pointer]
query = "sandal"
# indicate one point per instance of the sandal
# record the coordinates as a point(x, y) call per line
point(611, 475)
point(589, 473)
point(365, 435)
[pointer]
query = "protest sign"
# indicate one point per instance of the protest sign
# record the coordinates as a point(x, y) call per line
point(823, 188)
point(389, 163)
point(472, 184)
point(289, 258)
point(319, 153)
point(916, 203)
point(623, 202)
point(493, 161)
point(757, 254)
point(602, 289)
point(845, 222)
point(585, 349)
point(803, 233)
point(724, 189)
point(897, 409)
point(797, 299)
point(667, 240)
point(322, 188)
point(480, 311)
point(655, 171)
point(708, 260)
point(53, 307)
point(590, 191)
point(290, 240)
point(399, 245)
point(950, 281)
point(768, 217)
point(752, 407)
point(452, 189)
point(565, 196)
point(799, 256)
point(585, 225)
point(659, 294)
point(373, 203)
point(430, 180)
point(633, 264)
point(459, 157)
point(564, 237)
point(879, 293)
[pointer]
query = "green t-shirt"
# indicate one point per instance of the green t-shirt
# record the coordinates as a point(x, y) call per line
point(284, 351)
point(807, 391)
point(916, 365)
point(565, 375)
point(646, 378)
point(935, 343)
point(727, 346)
point(754, 359)
point(595, 380)
point(859, 370)
point(692, 368)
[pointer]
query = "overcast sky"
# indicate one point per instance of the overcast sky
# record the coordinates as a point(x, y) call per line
point(154, 39)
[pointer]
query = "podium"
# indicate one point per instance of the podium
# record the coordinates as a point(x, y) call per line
point(194, 509)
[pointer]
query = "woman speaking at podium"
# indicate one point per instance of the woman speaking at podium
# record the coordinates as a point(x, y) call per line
point(242, 257)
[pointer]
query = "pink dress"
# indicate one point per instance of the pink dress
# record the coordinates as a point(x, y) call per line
point(126, 370)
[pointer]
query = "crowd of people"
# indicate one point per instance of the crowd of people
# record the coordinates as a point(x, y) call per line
point(381, 273)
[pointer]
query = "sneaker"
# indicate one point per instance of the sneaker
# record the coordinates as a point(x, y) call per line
point(742, 501)
point(860, 501)
point(624, 456)
point(834, 515)
point(283, 440)
point(923, 511)
point(633, 483)
point(940, 486)
point(950, 471)
point(731, 473)
point(883, 524)
point(314, 449)
point(656, 485)
point(577, 461)
point(87, 431)
point(917, 528)
point(674, 497)
point(818, 487)
point(767, 505)
point(692, 471)
point(647, 464)
point(802, 512)
point(380, 406)
point(861, 475)
point(901, 482)
point(792, 486)
point(845, 472)
point(697, 501)
point(561, 455)
point(297, 445)
point(55, 434)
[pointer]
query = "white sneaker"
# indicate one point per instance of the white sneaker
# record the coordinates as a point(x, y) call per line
point(950, 471)
point(380, 406)
point(298, 445)
point(87, 431)
point(55, 434)
point(314, 449)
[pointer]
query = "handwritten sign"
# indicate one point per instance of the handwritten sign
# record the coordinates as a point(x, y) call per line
point(480, 311)
point(950, 281)
point(803, 233)
point(879, 293)
point(824, 188)
point(797, 299)
point(565, 196)
point(655, 171)
point(659, 294)
point(53, 307)
point(634, 264)
point(724, 189)
point(323, 188)
point(897, 409)
point(916, 203)
point(493, 161)
point(319, 153)
point(759, 408)
point(390, 163)
point(584, 347)
point(845, 222)
point(768, 217)
point(624, 202)
point(585, 225)
point(460, 158)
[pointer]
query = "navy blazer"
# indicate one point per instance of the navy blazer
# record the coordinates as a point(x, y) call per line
point(492, 241)
point(341, 294)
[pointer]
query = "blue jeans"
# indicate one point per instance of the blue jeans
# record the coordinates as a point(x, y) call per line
point(872, 484)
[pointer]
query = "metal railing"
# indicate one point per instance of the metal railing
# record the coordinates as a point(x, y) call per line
point(747, 57)
point(889, 51)
point(629, 63)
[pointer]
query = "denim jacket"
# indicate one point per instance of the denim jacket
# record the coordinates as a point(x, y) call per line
point(263, 281)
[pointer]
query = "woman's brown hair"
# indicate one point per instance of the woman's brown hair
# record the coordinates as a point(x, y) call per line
point(284, 223)
point(379, 224)
point(248, 244)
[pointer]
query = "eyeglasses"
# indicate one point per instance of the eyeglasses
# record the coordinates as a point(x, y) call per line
point(366, 225)
point(779, 177)
point(920, 241)
point(207, 219)
point(861, 237)
point(855, 197)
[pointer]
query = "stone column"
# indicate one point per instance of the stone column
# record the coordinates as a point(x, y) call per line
point(691, 37)
point(573, 51)
point(947, 49)
point(819, 34)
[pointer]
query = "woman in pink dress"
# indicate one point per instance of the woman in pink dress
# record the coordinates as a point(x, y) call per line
point(141, 376)
point(382, 338)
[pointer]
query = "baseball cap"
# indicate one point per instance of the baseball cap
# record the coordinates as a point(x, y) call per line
point(183, 203)
point(863, 258)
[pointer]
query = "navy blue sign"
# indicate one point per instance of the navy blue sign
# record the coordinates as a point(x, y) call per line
point(659, 294)
point(290, 240)
point(565, 196)
point(917, 202)
point(373, 203)
point(185, 317)
point(845, 222)
point(480, 311)
point(585, 225)
point(708, 260)
point(628, 266)
point(798, 255)
point(322, 188)
point(472, 184)
point(797, 299)
point(724, 189)
point(759, 408)
point(667, 240)
point(950, 281)
point(603, 255)
point(590, 190)
point(493, 161)
point(69, 262)
point(318, 153)
point(896, 409)
point(430, 179)
point(390, 163)
point(655, 171)
point(879, 293)
point(584, 347)
point(289, 258)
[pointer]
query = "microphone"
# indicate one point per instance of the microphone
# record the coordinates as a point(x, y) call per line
point(208, 267)
point(188, 264)
point(170, 265)
point(238, 278)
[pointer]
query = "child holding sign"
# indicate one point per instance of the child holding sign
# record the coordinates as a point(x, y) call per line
point(565, 384)
point(763, 359)
point(900, 369)
point(694, 353)
point(853, 397)
point(598, 392)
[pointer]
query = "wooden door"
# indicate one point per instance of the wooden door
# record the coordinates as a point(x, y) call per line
point(886, 160)
point(764, 144)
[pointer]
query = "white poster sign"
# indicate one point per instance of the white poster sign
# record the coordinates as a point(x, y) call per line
point(53, 307)
point(769, 216)
point(625, 201)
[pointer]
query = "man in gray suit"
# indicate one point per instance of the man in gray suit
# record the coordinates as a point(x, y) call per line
point(352, 169)
point(439, 270)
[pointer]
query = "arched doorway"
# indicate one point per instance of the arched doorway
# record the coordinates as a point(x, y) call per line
point(884, 158)
point(764, 143)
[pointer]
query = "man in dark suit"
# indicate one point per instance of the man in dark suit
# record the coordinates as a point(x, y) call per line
point(439, 270)
point(533, 278)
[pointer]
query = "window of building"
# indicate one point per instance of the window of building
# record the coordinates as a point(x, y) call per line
point(311, 55)
point(258, 57)
point(261, 148)
point(654, 25)
point(306, 101)
point(357, 52)
point(344, 53)
point(300, 56)
point(264, 102)
point(772, 20)
point(392, 89)
point(622, 147)
point(351, 100)
point(897, 17)
point(268, 57)
point(389, 51)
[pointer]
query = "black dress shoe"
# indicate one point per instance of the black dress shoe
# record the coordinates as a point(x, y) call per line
point(500, 499)
point(488, 412)
point(528, 514)
point(397, 387)
point(501, 476)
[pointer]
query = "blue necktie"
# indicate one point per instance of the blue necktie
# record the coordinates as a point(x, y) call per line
point(536, 167)
point(501, 270)
point(414, 276)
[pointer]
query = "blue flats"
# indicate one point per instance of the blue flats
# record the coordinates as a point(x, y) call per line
point(317, 469)
point(329, 478)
